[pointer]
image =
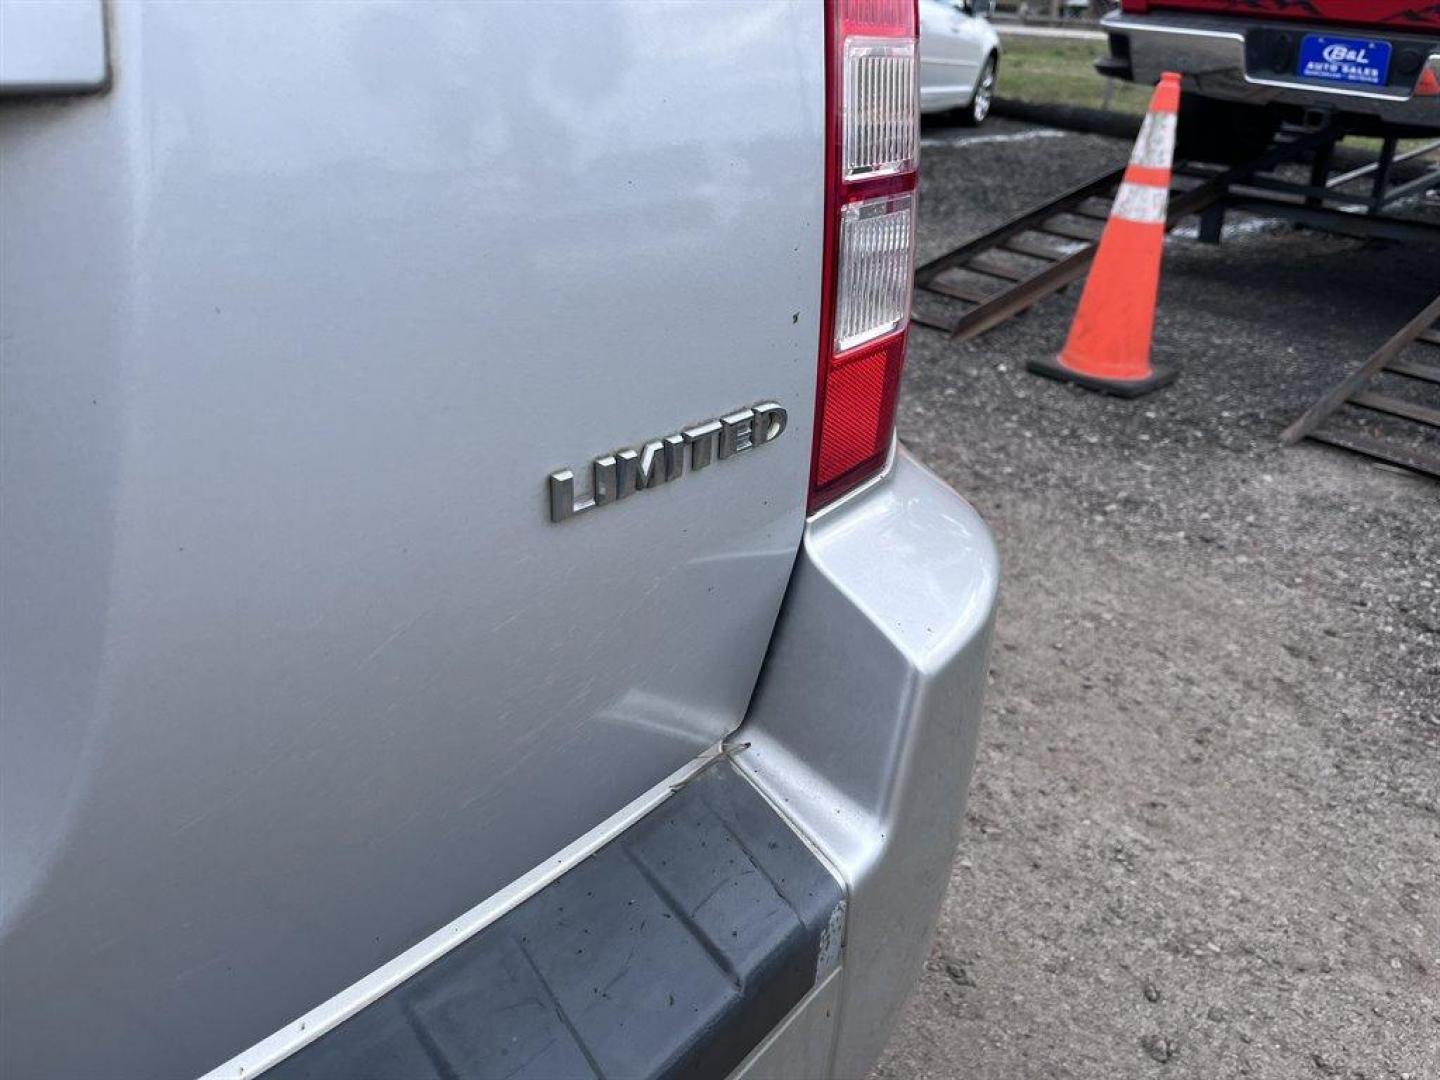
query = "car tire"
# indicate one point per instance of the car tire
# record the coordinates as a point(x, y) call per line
point(1223, 132)
point(974, 114)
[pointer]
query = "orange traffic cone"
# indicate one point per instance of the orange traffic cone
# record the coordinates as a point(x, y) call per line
point(1109, 344)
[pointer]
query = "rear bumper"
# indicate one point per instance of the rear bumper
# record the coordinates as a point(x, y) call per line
point(704, 938)
point(1253, 61)
point(670, 952)
point(863, 731)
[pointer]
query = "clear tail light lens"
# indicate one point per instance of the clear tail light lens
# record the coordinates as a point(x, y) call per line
point(879, 110)
point(877, 265)
point(871, 161)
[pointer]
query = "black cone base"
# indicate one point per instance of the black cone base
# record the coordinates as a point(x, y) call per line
point(1051, 368)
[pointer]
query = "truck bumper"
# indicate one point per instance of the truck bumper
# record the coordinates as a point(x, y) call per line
point(863, 732)
point(1253, 61)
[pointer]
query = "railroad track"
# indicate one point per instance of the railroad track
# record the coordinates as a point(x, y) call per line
point(991, 278)
point(1388, 387)
point(1030, 256)
point(1039, 252)
point(1377, 410)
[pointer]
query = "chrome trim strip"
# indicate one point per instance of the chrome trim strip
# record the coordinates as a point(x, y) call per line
point(308, 1027)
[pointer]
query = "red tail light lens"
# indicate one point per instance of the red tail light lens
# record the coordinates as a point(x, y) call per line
point(859, 392)
point(871, 158)
point(1429, 82)
point(882, 18)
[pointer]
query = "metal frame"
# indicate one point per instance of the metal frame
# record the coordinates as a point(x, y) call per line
point(1353, 390)
point(1319, 204)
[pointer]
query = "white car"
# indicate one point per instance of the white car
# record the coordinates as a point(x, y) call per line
point(959, 56)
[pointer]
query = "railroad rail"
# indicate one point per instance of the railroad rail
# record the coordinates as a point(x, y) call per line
point(1408, 433)
point(989, 279)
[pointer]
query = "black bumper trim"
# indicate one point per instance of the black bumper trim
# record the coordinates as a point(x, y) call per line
point(1117, 64)
point(672, 951)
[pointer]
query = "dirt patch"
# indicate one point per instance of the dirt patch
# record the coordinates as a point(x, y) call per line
point(1204, 835)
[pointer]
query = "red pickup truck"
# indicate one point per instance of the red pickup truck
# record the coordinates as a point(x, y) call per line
point(1371, 66)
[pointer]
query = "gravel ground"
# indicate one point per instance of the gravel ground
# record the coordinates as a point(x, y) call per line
point(1204, 834)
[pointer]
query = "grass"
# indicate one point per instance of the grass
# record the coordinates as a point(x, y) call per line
point(1062, 72)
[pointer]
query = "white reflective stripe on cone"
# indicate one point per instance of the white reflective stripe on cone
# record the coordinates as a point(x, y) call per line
point(1155, 146)
point(1141, 203)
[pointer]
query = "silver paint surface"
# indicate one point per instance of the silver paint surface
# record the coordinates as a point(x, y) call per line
point(863, 734)
point(52, 46)
point(295, 668)
point(864, 726)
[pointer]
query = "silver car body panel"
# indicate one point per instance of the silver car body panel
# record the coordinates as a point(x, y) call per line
point(1210, 53)
point(298, 316)
point(329, 1014)
point(863, 734)
point(52, 47)
point(865, 724)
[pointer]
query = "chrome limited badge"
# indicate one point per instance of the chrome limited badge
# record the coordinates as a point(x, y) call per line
point(662, 460)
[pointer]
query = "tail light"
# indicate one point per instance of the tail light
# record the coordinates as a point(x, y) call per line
point(1428, 85)
point(871, 158)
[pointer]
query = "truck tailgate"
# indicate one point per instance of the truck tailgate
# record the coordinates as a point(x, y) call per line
point(1398, 15)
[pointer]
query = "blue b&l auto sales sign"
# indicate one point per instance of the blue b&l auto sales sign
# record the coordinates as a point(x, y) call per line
point(1343, 59)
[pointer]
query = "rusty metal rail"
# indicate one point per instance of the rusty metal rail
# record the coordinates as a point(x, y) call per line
point(1006, 271)
point(1040, 235)
point(1355, 391)
point(1046, 240)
